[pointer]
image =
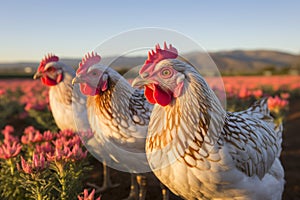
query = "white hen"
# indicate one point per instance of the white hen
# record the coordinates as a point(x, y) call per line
point(196, 148)
point(119, 114)
point(63, 98)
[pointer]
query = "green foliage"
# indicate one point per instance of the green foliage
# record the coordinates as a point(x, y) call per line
point(38, 185)
point(10, 187)
point(42, 119)
point(10, 107)
point(69, 177)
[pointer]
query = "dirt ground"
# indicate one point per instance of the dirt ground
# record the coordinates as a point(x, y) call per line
point(290, 158)
point(291, 152)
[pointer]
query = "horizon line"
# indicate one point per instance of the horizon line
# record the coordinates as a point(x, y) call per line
point(208, 51)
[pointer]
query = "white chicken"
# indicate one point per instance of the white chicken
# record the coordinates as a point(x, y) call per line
point(196, 148)
point(119, 114)
point(62, 98)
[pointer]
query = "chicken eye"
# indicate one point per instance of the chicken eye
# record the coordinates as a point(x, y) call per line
point(94, 73)
point(166, 73)
point(51, 69)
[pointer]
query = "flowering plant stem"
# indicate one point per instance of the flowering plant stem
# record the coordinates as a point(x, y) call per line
point(10, 187)
point(62, 181)
point(38, 184)
point(10, 163)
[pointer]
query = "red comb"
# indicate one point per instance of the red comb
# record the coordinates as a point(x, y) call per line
point(158, 55)
point(48, 58)
point(87, 61)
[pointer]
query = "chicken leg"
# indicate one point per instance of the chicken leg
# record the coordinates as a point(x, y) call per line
point(164, 191)
point(107, 184)
point(134, 190)
point(142, 181)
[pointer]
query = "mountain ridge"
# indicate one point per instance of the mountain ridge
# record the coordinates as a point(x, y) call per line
point(226, 61)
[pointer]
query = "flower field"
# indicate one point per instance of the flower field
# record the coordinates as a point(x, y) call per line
point(38, 161)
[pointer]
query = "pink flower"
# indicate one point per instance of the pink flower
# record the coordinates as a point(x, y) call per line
point(87, 196)
point(48, 136)
point(8, 129)
point(74, 140)
point(285, 95)
point(32, 138)
point(66, 133)
point(26, 166)
point(60, 153)
point(2, 92)
point(257, 93)
point(38, 163)
point(28, 106)
point(66, 154)
point(44, 148)
point(276, 104)
point(59, 143)
point(8, 137)
point(77, 153)
point(29, 129)
point(31, 135)
point(243, 93)
point(10, 150)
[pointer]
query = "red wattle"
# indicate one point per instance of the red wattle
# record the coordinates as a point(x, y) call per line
point(104, 86)
point(59, 78)
point(87, 90)
point(157, 95)
point(161, 97)
point(149, 95)
point(48, 81)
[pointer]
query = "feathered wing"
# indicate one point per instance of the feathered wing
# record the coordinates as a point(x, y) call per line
point(261, 111)
point(252, 144)
point(253, 141)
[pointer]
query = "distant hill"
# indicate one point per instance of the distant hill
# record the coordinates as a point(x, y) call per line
point(238, 61)
point(253, 60)
point(34, 65)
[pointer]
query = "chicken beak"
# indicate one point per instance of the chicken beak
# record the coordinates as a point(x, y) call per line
point(76, 79)
point(139, 82)
point(37, 75)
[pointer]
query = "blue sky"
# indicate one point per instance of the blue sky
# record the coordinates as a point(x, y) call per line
point(30, 29)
